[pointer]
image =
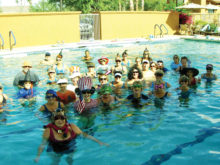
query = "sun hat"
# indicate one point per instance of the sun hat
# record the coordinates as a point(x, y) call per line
point(103, 58)
point(51, 91)
point(84, 83)
point(105, 89)
point(27, 63)
point(47, 54)
point(62, 81)
point(73, 75)
point(209, 66)
point(194, 70)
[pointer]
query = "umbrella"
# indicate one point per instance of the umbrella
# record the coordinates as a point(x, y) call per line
point(212, 7)
point(191, 6)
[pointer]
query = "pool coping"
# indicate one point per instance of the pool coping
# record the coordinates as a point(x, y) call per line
point(202, 38)
point(24, 51)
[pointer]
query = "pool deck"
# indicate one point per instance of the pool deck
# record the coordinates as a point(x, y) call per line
point(202, 38)
point(24, 51)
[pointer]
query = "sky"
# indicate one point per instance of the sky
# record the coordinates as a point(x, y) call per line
point(13, 2)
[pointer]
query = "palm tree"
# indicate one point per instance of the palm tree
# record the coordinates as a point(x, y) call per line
point(136, 5)
point(131, 5)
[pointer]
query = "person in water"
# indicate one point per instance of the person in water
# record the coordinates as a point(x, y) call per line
point(103, 67)
point(138, 99)
point(160, 65)
point(176, 63)
point(117, 84)
point(125, 61)
point(209, 76)
point(51, 76)
point(184, 87)
point(146, 55)
point(3, 98)
point(74, 77)
point(60, 68)
point(87, 56)
point(134, 74)
point(64, 95)
point(21, 76)
point(52, 103)
point(91, 70)
point(118, 66)
point(47, 60)
point(159, 79)
point(85, 90)
point(27, 94)
point(148, 75)
point(191, 73)
point(60, 136)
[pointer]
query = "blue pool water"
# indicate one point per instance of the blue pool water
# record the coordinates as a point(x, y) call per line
point(178, 133)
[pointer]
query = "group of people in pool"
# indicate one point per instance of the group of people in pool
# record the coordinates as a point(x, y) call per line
point(143, 73)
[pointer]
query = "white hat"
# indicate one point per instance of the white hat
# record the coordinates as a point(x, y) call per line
point(146, 61)
point(62, 81)
point(75, 74)
point(118, 74)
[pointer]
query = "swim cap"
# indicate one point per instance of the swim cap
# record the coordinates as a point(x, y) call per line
point(209, 66)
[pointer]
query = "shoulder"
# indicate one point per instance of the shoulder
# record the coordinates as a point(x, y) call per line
point(145, 97)
point(76, 129)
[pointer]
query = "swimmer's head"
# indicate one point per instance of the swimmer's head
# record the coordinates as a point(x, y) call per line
point(183, 79)
point(51, 93)
point(209, 67)
point(159, 73)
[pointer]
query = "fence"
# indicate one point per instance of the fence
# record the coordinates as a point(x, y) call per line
point(209, 18)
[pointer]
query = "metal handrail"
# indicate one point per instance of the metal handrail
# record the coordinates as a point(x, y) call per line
point(162, 25)
point(3, 42)
point(155, 26)
point(11, 45)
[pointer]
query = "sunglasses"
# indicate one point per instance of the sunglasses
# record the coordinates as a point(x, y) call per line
point(26, 66)
point(117, 76)
point(102, 60)
point(59, 117)
point(159, 75)
point(208, 68)
point(86, 91)
point(153, 66)
point(118, 61)
point(49, 97)
point(103, 79)
point(135, 72)
point(137, 86)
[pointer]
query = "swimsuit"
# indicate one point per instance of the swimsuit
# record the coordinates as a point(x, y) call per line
point(46, 111)
point(60, 71)
point(50, 82)
point(61, 146)
point(3, 100)
point(208, 79)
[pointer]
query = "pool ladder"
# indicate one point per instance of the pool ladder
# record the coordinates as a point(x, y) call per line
point(2, 42)
point(11, 34)
point(161, 27)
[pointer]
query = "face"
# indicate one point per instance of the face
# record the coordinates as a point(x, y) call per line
point(51, 74)
point(63, 85)
point(47, 58)
point(91, 69)
point(146, 54)
point(103, 80)
point(26, 68)
point(87, 53)
point(183, 83)
point(153, 66)
point(75, 80)
point(118, 62)
point(50, 98)
point(209, 70)
point(102, 61)
point(138, 61)
point(86, 94)
point(106, 97)
point(159, 76)
point(124, 55)
point(160, 64)
point(136, 90)
point(1, 89)
point(145, 65)
point(189, 73)
point(135, 73)
point(184, 62)
point(176, 59)
point(59, 121)
point(117, 78)
point(27, 85)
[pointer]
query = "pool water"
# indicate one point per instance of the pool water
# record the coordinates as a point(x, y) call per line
point(179, 132)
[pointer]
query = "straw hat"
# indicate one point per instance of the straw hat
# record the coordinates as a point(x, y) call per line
point(27, 63)
point(194, 70)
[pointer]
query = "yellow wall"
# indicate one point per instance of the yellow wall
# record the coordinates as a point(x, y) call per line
point(34, 29)
point(136, 24)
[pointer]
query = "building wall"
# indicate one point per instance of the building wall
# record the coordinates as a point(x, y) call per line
point(34, 29)
point(136, 24)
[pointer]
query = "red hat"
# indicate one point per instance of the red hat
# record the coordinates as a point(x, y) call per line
point(103, 58)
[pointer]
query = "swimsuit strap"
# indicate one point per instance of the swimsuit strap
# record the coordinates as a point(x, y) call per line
point(59, 105)
point(46, 109)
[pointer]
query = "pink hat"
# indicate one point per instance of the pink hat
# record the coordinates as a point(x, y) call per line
point(84, 83)
point(103, 58)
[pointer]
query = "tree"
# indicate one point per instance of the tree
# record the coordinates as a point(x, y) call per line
point(142, 5)
point(43, 6)
point(131, 5)
point(136, 5)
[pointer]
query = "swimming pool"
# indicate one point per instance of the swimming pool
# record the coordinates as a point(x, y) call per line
point(179, 133)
